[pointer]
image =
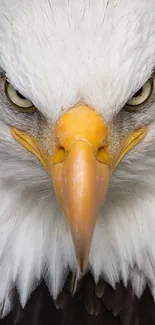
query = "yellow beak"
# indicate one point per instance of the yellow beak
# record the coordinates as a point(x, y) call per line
point(80, 168)
point(81, 184)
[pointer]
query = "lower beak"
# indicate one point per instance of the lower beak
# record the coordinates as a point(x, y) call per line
point(80, 169)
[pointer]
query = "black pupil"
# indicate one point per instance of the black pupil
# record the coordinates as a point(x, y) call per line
point(19, 95)
point(138, 93)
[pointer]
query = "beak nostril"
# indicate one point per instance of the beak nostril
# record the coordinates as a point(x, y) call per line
point(100, 151)
point(60, 155)
point(61, 148)
point(103, 154)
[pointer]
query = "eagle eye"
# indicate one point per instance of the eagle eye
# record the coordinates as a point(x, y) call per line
point(141, 96)
point(21, 103)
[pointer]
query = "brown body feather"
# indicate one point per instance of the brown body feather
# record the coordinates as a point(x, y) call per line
point(90, 305)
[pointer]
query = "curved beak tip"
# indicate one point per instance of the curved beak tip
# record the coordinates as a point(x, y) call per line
point(82, 258)
point(82, 265)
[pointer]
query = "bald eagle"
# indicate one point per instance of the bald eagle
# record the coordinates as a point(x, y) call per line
point(77, 162)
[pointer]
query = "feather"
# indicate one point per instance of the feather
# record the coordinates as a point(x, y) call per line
point(41, 309)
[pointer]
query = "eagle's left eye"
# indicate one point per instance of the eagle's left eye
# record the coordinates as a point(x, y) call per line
point(141, 96)
point(19, 101)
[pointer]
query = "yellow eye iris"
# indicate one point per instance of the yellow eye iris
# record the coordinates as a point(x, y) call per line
point(141, 96)
point(20, 102)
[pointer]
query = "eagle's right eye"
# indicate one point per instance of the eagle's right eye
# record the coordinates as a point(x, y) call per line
point(21, 103)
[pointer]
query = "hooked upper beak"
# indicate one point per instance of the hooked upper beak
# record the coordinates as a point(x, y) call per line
point(80, 167)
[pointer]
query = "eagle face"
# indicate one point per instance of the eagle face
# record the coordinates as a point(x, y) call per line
point(77, 131)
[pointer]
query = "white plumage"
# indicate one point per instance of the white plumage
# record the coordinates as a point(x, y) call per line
point(58, 53)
